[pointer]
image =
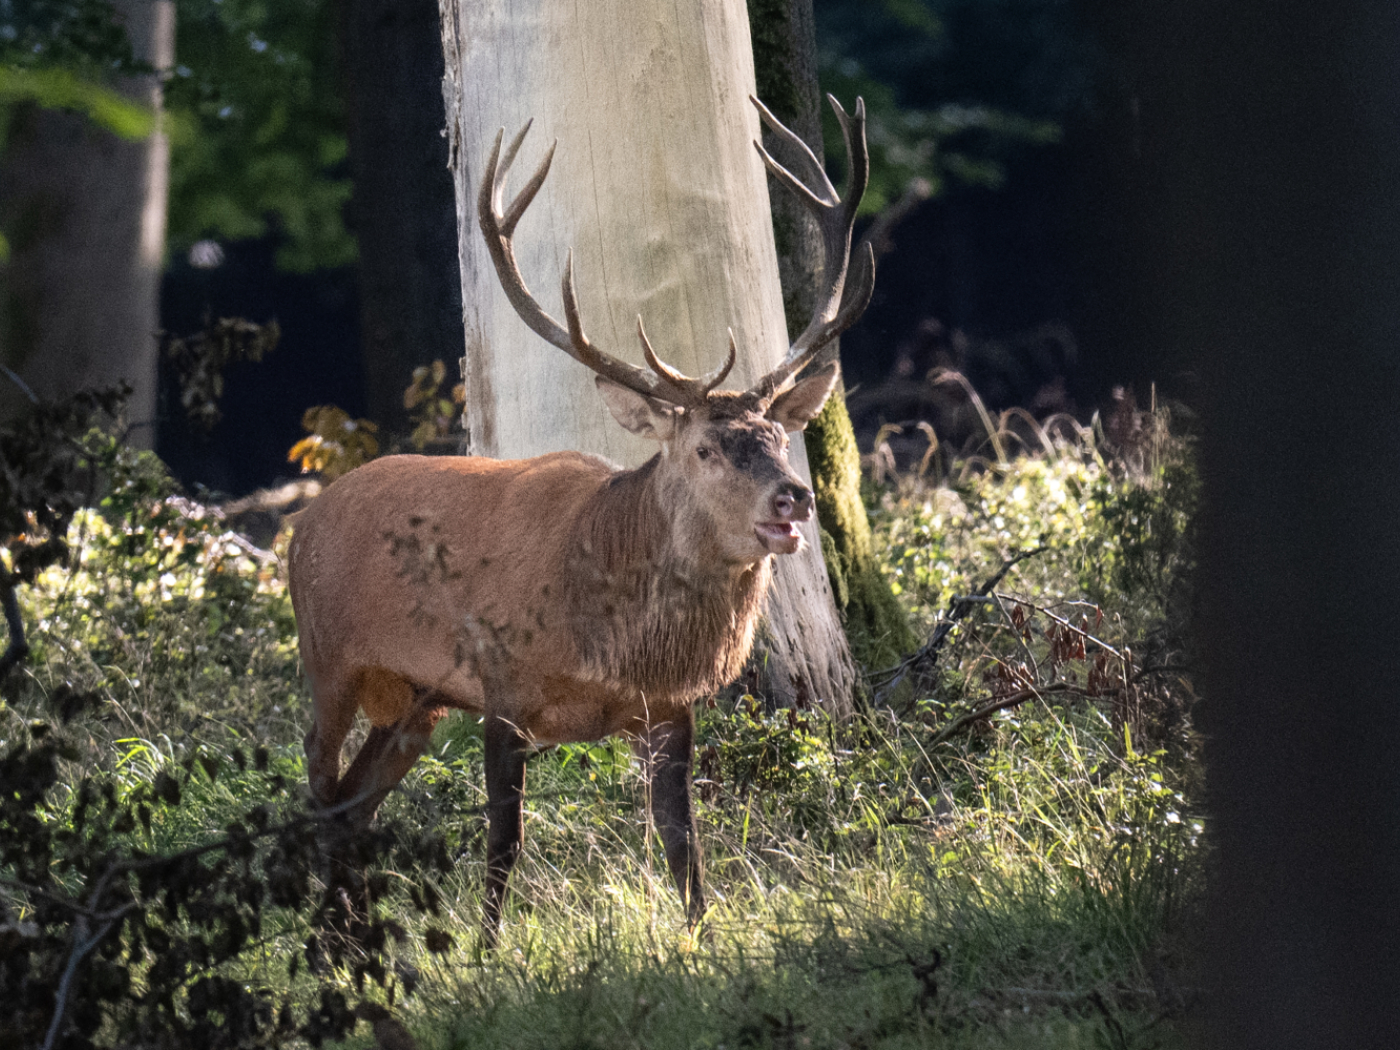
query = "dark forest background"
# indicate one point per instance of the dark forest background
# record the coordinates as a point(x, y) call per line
point(1003, 135)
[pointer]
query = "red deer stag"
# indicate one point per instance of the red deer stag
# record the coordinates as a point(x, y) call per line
point(560, 597)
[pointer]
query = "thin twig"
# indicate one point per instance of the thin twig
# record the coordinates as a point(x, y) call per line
point(70, 971)
point(1151, 669)
point(1062, 622)
point(39, 891)
point(1000, 704)
point(958, 609)
point(23, 386)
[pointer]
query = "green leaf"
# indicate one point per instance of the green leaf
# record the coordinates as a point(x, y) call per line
point(64, 89)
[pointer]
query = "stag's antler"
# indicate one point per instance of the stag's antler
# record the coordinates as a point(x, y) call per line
point(662, 382)
point(835, 312)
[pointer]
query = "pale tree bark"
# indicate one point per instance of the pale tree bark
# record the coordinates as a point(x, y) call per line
point(657, 188)
point(85, 214)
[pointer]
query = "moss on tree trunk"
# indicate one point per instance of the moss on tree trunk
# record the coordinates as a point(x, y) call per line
point(784, 45)
point(875, 624)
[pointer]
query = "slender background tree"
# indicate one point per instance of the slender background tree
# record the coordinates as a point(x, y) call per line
point(404, 216)
point(85, 209)
point(785, 67)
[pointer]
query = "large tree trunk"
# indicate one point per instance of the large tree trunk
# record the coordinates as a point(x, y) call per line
point(85, 212)
point(403, 211)
point(1274, 262)
point(1288, 151)
point(657, 188)
point(785, 61)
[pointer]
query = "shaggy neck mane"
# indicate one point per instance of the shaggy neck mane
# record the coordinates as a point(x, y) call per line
point(674, 623)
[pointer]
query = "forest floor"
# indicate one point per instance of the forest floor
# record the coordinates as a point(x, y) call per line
point(1003, 849)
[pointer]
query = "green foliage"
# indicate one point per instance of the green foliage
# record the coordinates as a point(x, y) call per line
point(954, 140)
point(1109, 533)
point(253, 111)
point(199, 361)
point(1152, 523)
point(432, 411)
point(65, 54)
point(109, 944)
point(158, 608)
point(946, 85)
point(45, 456)
point(1005, 851)
point(942, 543)
point(72, 34)
point(63, 89)
point(258, 130)
point(156, 885)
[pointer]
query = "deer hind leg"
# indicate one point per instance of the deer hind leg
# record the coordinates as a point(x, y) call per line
point(665, 749)
point(505, 837)
point(387, 755)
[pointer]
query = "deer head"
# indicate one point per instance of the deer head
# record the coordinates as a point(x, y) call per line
point(723, 463)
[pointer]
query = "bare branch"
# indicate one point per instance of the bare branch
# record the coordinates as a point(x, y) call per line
point(1062, 622)
point(1000, 704)
point(23, 386)
point(18, 648)
point(926, 657)
point(75, 957)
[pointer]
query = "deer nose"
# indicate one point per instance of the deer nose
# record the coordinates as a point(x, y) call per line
point(793, 502)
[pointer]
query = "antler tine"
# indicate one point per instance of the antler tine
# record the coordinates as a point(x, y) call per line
point(853, 131)
point(815, 172)
point(710, 380)
point(839, 306)
point(692, 391)
point(498, 229)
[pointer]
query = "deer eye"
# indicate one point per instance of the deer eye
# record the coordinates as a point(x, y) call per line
point(703, 453)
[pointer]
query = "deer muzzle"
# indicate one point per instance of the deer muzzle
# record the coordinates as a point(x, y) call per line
point(791, 505)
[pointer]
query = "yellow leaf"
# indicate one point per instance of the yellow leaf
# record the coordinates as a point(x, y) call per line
point(302, 449)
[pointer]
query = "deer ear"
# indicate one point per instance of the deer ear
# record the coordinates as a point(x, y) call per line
point(793, 409)
point(644, 416)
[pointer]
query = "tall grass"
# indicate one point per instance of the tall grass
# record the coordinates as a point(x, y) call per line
point(923, 875)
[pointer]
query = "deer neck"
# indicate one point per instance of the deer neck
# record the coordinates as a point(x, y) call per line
point(650, 602)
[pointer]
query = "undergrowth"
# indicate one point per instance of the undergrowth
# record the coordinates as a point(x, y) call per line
point(1001, 850)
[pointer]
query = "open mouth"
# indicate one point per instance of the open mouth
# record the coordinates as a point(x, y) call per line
point(778, 537)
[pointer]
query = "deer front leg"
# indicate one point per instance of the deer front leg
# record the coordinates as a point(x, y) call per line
point(666, 749)
point(505, 835)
